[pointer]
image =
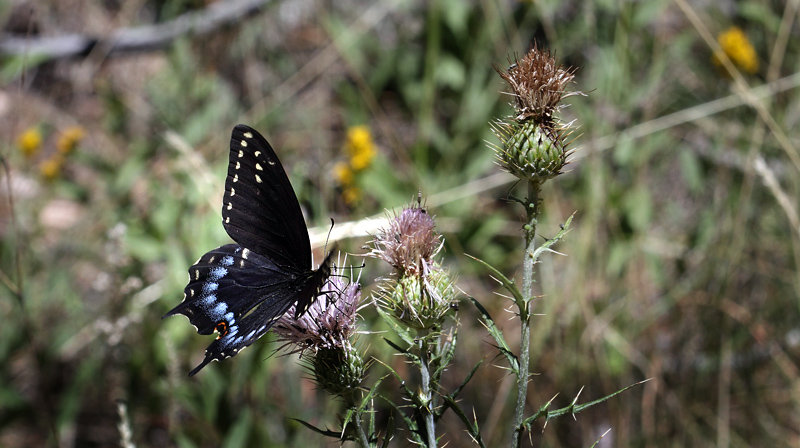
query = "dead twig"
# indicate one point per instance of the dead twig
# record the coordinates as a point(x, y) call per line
point(129, 40)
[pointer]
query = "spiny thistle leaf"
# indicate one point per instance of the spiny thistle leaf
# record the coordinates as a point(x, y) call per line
point(410, 422)
point(452, 396)
point(405, 352)
point(399, 328)
point(389, 432)
point(542, 412)
point(600, 438)
point(498, 336)
point(370, 395)
point(458, 390)
point(552, 241)
point(324, 432)
point(507, 284)
point(445, 359)
point(472, 427)
point(403, 386)
point(347, 417)
point(572, 408)
point(581, 407)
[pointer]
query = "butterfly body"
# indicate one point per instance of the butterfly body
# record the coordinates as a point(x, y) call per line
point(240, 290)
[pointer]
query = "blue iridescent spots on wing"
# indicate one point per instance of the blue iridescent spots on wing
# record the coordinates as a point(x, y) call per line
point(245, 298)
point(214, 289)
point(209, 287)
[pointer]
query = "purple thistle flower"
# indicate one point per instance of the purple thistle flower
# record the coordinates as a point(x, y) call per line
point(409, 242)
point(421, 292)
point(329, 322)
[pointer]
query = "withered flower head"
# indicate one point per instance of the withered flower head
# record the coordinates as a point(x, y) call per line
point(534, 141)
point(538, 83)
point(409, 242)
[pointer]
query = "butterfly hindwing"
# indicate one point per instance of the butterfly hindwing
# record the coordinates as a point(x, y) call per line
point(225, 285)
point(260, 209)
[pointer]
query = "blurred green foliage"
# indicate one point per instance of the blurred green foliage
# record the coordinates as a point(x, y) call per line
point(682, 265)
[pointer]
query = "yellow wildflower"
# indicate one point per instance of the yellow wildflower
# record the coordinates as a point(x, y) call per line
point(69, 139)
point(51, 167)
point(351, 195)
point(343, 174)
point(360, 147)
point(30, 141)
point(346, 177)
point(739, 50)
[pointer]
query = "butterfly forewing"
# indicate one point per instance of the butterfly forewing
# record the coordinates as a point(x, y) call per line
point(260, 209)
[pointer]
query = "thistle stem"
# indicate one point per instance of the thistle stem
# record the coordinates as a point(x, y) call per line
point(362, 439)
point(427, 415)
point(362, 436)
point(532, 211)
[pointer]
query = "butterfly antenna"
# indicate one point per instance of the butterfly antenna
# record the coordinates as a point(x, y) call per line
point(329, 235)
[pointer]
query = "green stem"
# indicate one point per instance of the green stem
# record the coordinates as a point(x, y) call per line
point(532, 209)
point(430, 426)
point(363, 441)
point(350, 402)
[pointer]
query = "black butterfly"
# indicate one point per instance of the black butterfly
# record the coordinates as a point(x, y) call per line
point(240, 290)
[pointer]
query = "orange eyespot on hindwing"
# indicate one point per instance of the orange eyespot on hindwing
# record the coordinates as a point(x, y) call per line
point(221, 328)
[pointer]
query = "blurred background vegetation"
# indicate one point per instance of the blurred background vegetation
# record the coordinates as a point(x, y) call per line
point(682, 265)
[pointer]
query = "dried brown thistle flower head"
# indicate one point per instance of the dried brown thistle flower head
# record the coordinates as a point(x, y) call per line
point(534, 141)
point(538, 83)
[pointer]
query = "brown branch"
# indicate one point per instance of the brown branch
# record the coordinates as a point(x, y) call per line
point(128, 40)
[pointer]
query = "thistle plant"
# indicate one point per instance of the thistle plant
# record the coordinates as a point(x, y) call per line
point(534, 147)
point(416, 302)
point(417, 299)
point(325, 336)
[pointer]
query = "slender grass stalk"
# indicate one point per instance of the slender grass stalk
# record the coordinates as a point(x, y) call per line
point(18, 290)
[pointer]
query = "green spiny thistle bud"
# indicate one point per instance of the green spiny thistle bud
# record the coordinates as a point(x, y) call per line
point(338, 370)
point(421, 301)
point(530, 152)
